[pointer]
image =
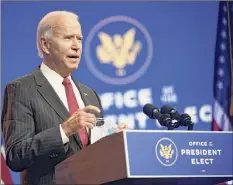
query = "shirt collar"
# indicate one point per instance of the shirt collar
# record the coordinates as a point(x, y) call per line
point(51, 75)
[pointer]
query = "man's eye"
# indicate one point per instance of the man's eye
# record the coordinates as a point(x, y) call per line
point(68, 37)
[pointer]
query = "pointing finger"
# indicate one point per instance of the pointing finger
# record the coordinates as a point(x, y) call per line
point(91, 109)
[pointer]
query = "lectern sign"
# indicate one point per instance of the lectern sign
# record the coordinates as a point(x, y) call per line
point(179, 153)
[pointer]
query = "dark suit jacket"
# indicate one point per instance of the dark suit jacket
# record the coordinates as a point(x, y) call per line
point(31, 115)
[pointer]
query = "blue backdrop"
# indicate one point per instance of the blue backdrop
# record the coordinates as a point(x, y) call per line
point(164, 54)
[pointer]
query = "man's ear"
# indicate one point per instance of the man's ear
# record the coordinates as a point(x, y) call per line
point(45, 45)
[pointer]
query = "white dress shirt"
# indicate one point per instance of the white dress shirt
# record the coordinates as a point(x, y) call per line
point(56, 82)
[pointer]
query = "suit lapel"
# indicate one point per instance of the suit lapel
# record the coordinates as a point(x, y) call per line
point(51, 97)
point(84, 94)
point(48, 93)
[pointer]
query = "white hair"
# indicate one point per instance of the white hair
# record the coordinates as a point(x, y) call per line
point(44, 28)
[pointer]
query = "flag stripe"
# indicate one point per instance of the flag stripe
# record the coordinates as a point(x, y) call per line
point(5, 174)
point(223, 72)
point(223, 89)
point(229, 16)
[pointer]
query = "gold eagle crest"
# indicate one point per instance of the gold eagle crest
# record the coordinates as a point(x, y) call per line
point(166, 151)
point(118, 50)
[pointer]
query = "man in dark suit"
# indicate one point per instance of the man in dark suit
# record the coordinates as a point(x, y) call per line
point(47, 115)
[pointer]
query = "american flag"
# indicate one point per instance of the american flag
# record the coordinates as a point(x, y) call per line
point(223, 72)
point(223, 79)
point(5, 172)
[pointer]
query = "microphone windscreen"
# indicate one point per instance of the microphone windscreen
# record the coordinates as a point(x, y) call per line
point(166, 109)
point(148, 110)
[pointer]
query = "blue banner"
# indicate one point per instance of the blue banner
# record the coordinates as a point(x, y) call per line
point(179, 154)
point(133, 53)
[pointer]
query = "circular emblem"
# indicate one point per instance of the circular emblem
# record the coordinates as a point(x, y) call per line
point(118, 50)
point(166, 152)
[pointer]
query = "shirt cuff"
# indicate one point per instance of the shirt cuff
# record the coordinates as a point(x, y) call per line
point(64, 137)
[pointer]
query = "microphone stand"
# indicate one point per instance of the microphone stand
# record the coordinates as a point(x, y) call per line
point(177, 124)
point(190, 126)
point(170, 128)
point(173, 126)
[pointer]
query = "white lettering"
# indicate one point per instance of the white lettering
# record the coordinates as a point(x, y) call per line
point(182, 151)
point(145, 96)
point(200, 152)
point(128, 119)
point(130, 99)
point(198, 143)
point(168, 95)
point(192, 111)
point(202, 161)
point(119, 101)
point(141, 118)
point(131, 119)
point(205, 113)
point(106, 100)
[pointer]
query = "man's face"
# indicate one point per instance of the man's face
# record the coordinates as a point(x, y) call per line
point(65, 45)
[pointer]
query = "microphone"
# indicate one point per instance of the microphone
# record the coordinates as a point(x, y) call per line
point(186, 120)
point(183, 119)
point(164, 119)
point(166, 109)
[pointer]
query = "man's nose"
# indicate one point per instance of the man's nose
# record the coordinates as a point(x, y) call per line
point(76, 45)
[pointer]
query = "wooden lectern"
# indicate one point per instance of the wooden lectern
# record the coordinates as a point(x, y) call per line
point(99, 163)
point(135, 157)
